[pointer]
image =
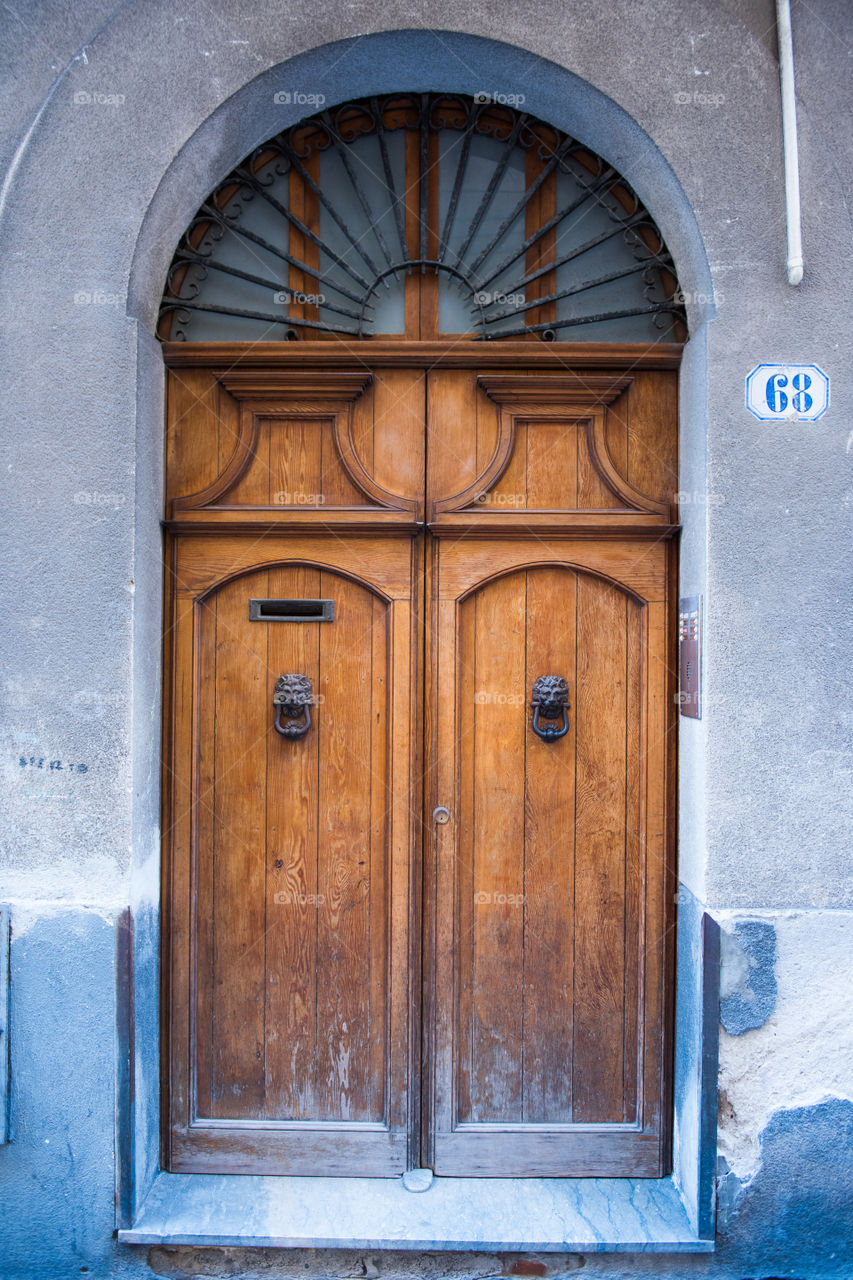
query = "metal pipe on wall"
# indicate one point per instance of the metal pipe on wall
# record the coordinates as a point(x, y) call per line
point(789, 142)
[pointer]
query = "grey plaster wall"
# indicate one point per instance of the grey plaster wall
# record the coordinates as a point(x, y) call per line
point(96, 193)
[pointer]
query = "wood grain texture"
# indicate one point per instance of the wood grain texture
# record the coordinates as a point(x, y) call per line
point(548, 1059)
point(339, 1001)
point(192, 432)
point(598, 1050)
point(496, 687)
point(292, 873)
point(624, 357)
point(300, 1007)
point(549, 857)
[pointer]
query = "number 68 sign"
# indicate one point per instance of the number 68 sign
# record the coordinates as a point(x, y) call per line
point(775, 392)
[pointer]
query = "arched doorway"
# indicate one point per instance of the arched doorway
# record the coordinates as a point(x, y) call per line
point(419, 898)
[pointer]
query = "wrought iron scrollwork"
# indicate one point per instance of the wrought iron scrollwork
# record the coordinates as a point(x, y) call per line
point(479, 250)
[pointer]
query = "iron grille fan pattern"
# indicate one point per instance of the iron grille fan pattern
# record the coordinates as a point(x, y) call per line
point(526, 232)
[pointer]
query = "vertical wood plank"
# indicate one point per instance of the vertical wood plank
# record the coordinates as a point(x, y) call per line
point(399, 415)
point(429, 280)
point(305, 205)
point(191, 434)
point(203, 804)
point(552, 464)
point(657, 881)
point(652, 442)
point(377, 868)
point(451, 432)
point(228, 427)
point(593, 493)
point(549, 850)
point(634, 824)
point(243, 697)
point(488, 422)
point(498, 926)
point(597, 1069)
point(616, 425)
point(464, 906)
point(541, 207)
point(254, 486)
point(295, 461)
point(179, 868)
point(336, 487)
point(343, 950)
point(291, 872)
point(511, 491)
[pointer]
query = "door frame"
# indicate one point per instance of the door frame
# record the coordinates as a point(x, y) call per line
point(241, 361)
point(139, 1061)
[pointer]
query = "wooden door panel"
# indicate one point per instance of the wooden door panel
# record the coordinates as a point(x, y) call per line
point(386, 564)
point(494, 827)
point(549, 859)
point(547, 1056)
point(233, 674)
point(607, 950)
point(296, 463)
point(293, 860)
point(462, 432)
point(389, 431)
point(307, 942)
point(275, 445)
point(297, 883)
point(468, 561)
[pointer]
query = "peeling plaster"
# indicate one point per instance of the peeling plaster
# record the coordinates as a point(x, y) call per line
point(804, 1051)
point(27, 913)
point(747, 977)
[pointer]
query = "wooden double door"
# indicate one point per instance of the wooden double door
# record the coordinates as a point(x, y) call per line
point(417, 920)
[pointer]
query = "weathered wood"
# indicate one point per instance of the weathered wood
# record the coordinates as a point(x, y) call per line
point(299, 854)
point(549, 858)
point(337, 1003)
point(292, 890)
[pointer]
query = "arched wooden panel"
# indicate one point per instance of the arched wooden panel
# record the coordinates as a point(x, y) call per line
point(550, 880)
point(292, 860)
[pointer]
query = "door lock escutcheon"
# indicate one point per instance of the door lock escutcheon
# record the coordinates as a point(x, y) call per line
point(441, 815)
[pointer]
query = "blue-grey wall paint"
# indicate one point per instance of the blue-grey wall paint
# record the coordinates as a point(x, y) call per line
point(56, 1174)
point(748, 977)
point(796, 1214)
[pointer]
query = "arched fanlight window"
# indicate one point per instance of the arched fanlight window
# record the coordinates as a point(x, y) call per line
point(419, 216)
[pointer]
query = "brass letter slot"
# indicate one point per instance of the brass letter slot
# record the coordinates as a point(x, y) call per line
point(291, 610)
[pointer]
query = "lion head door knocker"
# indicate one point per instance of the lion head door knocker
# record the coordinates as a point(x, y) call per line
point(292, 699)
point(550, 701)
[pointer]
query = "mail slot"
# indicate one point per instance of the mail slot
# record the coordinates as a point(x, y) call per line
point(291, 610)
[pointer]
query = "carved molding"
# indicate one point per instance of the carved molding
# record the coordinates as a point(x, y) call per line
point(319, 387)
point(326, 396)
point(582, 398)
point(567, 391)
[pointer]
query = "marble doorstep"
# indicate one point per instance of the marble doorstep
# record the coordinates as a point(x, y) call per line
point(596, 1215)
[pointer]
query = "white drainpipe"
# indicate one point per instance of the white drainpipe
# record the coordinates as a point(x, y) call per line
point(789, 142)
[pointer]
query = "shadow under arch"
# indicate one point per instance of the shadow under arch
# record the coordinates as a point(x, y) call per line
point(418, 61)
